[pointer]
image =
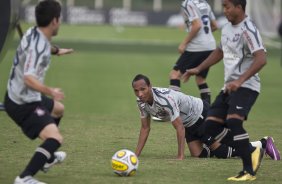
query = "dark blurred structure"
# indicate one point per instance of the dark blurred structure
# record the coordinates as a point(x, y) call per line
point(280, 29)
point(9, 18)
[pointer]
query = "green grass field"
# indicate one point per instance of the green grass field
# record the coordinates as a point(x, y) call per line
point(101, 116)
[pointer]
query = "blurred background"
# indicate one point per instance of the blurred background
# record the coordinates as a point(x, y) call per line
point(266, 14)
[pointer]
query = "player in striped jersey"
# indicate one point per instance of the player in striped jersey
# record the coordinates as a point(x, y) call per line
point(197, 45)
point(187, 114)
point(244, 55)
point(26, 100)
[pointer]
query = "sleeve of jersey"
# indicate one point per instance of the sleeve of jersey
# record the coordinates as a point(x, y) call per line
point(173, 109)
point(29, 66)
point(252, 37)
point(143, 113)
point(191, 12)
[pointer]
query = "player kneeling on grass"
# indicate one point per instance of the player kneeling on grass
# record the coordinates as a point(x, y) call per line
point(187, 114)
point(26, 100)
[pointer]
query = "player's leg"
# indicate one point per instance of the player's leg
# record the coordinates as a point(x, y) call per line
point(52, 140)
point(178, 69)
point(58, 111)
point(175, 77)
point(205, 92)
point(55, 108)
point(196, 60)
point(240, 103)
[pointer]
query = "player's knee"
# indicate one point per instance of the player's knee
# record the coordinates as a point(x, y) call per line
point(58, 109)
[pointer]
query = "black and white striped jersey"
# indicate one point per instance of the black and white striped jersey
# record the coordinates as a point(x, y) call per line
point(199, 9)
point(169, 104)
point(238, 43)
point(32, 58)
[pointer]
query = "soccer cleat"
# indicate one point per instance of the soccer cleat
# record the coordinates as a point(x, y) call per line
point(271, 149)
point(257, 156)
point(59, 158)
point(27, 180)
point(242, 176)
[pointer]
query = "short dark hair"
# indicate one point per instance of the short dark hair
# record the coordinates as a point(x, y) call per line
point(239, 2)
point(46, 11)
point(140, 77)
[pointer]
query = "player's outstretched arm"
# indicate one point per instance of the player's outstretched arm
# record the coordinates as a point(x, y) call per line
point(180, 133)
point(55, 50)
point(213, 58)
point(143, 136)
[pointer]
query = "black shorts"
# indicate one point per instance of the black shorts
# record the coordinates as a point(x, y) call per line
point(31, 117)
point(239, 102)
point(196, 131)
point(189, 60)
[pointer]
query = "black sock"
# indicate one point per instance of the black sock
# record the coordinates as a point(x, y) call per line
point(263, 143)
point(175, 84)
point(43, 153)
point(205, 92)
point(241, 143)
point(224, 151)
point(206, 153)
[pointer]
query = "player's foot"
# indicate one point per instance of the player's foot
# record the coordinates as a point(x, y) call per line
point(59, 158)
point(257, 156)
point(27, 180)
point(157, 119)
point(271, 149)
point(242, 176)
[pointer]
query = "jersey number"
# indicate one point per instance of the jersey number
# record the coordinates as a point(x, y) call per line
point(206, 21)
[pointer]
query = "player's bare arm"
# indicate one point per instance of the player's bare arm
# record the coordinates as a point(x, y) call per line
point(180, 133)
point(33, 83)
point(196, 26)
point(144, 133)
point(213, 58)
point(55, 50)
point(259, 62)
point(214, 26)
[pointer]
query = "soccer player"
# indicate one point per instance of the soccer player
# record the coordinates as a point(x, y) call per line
point(244, 55)
point(197, 45)
point(187, 115)
point(34, 106)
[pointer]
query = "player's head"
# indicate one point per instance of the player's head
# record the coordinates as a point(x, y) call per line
point(142, 88)
point(234, 9)
point(48, 12)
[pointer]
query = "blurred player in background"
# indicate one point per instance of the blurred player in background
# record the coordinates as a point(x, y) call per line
point(197, 45)
point(244, 55)
point(187, 115)
point(26, 100)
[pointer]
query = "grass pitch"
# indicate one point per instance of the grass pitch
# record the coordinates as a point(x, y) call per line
point(101, 116)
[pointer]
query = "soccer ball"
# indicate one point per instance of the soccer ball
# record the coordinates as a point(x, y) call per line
point(124, 163)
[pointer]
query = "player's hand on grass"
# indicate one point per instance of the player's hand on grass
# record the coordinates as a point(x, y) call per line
point(63, 51)
point(57, 94)
point(189, 73)
point(181, 157)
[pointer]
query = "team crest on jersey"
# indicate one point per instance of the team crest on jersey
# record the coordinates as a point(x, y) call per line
point(236, 37)
point(39, 111)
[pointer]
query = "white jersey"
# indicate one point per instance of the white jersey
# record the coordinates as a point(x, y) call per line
point(199, 9)
point(169, 104)
point(238, 43)
point(32, 58)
